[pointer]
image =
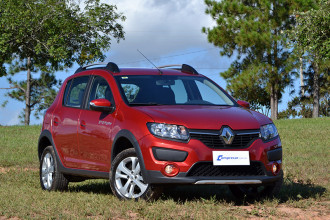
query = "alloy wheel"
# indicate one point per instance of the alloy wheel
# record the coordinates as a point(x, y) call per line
point(47, 171)
point(128, 179)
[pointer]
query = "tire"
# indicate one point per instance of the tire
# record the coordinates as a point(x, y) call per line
point(126, 179)
point(51, 178)
point(257, 191)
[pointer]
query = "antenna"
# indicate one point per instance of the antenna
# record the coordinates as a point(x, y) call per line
point(160, 72)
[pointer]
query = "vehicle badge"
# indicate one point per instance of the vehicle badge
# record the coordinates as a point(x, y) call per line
point(227, 135)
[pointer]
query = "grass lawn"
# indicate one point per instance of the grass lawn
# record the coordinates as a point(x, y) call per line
point(305, 194)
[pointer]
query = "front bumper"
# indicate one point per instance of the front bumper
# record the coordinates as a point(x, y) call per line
point(264, 153)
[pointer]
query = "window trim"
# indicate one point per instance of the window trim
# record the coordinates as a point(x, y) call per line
point(65, 99)
point(65, 95)
point(89, 90)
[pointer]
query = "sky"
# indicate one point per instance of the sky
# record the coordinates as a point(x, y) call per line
point(166, 32)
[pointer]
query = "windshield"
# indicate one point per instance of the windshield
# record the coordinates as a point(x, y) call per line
point(171, 90)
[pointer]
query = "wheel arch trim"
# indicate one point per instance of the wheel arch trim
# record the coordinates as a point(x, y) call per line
point(45, 134)
point(131, 138)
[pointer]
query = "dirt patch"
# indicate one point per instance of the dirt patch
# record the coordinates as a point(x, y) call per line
point(4, 170)
point(5, 218)
point(30, 169)
point(296, 213)
point(318, 211)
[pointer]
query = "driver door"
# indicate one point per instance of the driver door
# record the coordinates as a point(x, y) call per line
point(95, 128)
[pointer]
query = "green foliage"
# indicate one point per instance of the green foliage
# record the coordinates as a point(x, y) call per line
point(253, 30)
point(311, 34)
point(56, 34)
point(310, 41)
point(298, 107)
point(50, 35)
point(302, 106)
point(43, 93)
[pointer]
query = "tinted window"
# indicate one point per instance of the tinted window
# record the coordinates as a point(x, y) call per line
point(67, 89)
point(171, 90)
point(100, 90)
point(208, 94)
point(130, 90)
point(180, 92)
point(75, 97)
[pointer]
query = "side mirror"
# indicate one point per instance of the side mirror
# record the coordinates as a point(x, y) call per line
point(101, 105)
point(243, 103)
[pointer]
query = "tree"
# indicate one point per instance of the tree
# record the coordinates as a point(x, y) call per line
point(42, 92)
point(303, 105)
point(253, 30)
point(44, 36)
point(311, 36)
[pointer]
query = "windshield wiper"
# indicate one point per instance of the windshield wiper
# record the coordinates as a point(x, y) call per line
point(145, 104)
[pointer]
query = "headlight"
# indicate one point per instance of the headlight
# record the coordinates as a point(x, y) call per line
point(268, 131)
point(178, 132)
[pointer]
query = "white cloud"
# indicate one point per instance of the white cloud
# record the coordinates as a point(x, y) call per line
point(161, 29)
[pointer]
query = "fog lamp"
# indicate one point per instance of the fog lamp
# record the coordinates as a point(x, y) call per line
point(275, 168)
point(171, 170)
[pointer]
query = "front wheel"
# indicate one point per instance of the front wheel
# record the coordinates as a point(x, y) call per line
point(126, 180)
point(257, 191)
point(50, 177)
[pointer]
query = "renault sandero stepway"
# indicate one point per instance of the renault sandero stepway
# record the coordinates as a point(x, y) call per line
point(146, 128)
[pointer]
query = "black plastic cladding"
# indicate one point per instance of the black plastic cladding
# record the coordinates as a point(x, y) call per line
point(110, 66)
point(188, 69)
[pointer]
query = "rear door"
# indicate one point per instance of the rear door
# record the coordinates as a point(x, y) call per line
point(65, 121)
point(95, 129)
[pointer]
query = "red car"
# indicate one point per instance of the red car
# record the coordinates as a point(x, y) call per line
point(143, 128)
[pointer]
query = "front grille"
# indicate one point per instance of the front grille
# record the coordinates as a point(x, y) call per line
point(213, 139)
point(207, 169)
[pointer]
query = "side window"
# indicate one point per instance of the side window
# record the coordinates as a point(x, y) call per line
point(100, 90)
point(130, 90)
point(67, 89)
point(75, 96)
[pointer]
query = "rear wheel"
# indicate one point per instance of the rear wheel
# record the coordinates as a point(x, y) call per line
point(126, 178)
point(50, 177)
point(257, 191)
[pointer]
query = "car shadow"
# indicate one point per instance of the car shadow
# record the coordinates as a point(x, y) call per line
point(91, 186)
point(291, 190)
point(299, 189)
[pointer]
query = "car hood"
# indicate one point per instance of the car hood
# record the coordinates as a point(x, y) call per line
point(206, 117)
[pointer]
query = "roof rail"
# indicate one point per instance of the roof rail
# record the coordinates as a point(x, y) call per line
point(183, 68)
point(108, 66)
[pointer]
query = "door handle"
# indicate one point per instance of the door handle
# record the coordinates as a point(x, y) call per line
point(56, 121)
point(83, 124)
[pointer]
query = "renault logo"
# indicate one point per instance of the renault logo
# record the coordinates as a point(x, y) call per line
point(227, 135)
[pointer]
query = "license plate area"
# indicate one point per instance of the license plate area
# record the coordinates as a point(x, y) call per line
point(227, 158)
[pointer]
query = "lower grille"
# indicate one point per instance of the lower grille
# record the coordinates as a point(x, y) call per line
point(207, 169)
